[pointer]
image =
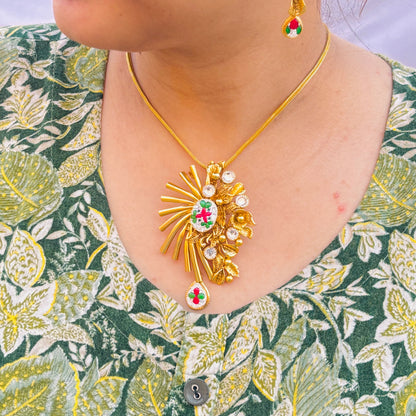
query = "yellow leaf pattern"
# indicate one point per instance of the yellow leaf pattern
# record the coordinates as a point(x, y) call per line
point(312, 385)
point(267, 373)
point(25, 259)
point(90, 131)
point(400, 325)
point(78, 166)
point(98, 225)
point(23, 314)
point(36, 386)
point(405, 402)
point(402, 255)
point(29, 188)
point(85, 67)
point(391, 199)
point(148, 391)
point(232, 387)
point(5, 231)
point(75, 295)
point(122, 279)
point(27, 108)
point(102, 398)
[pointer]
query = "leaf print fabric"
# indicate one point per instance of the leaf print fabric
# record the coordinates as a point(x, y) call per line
point(28, 187)
point(23, 313)
point(82, 331)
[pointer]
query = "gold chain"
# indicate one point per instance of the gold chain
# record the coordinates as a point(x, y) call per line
point(278, 110)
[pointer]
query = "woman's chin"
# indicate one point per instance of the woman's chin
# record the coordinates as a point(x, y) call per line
point(70, 16)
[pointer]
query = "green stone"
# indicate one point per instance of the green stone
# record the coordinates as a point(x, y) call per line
point(287, 29)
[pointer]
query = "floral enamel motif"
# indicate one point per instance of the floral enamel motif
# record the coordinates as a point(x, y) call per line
point(204, 215)
point(209, 224)
point(292, 27)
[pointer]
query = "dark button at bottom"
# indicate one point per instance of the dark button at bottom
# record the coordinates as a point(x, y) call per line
point(196, 392)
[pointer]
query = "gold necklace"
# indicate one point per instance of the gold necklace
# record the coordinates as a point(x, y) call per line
point(212, 218)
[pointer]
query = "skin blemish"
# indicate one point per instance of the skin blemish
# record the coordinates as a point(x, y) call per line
point(341, 208)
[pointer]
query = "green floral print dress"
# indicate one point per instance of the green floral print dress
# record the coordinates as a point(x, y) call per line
point(82, 332)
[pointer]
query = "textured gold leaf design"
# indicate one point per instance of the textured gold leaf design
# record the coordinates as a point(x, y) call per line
point(391, 197)
point(34, 386)
point(167, 320)
point(402, 255)
point(232, 387)
point(23, 314)
point(25, 259)
point(27, 109)
point(76, 293)
point(405, 400)
point(312, 385)
point(29, 188)
point(267, 373)
point(148, 391)
point(400, 325)
point(290, 342)
point(86, 68)
point(99, 396)
point(229, 250)
point(90, 131)
point(78, 166)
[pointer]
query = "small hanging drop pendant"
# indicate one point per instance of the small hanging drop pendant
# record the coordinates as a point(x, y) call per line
point(210, 224)
point(292, 27)
point(197, 296)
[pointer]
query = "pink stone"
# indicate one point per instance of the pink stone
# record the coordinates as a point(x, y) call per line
point(293, 24)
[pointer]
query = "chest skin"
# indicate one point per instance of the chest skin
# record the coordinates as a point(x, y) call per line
point(305, 175)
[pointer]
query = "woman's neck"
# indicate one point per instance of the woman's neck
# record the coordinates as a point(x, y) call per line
point(227, 88)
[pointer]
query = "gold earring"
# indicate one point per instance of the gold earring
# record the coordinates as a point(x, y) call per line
point(292, 27)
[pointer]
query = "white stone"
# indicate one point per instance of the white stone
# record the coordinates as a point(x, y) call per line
point(232, 234)
point(228, 176)
point(209, 214)
point(201, 300)
point(242, 200)
point(210, 253)
point(208, 190)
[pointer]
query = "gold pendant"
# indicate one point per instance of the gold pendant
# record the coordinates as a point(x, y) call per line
point(210, 224)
